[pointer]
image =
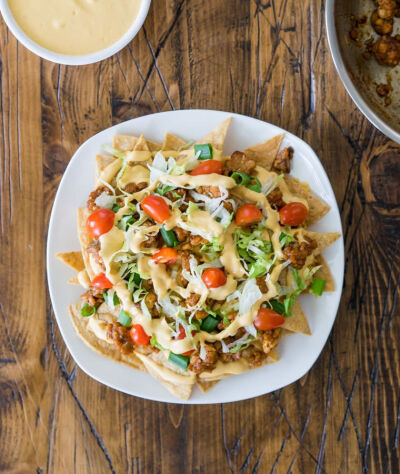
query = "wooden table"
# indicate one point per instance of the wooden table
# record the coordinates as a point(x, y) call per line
point(264, 58)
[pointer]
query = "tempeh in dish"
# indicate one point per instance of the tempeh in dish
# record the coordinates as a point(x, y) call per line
point(192, 261)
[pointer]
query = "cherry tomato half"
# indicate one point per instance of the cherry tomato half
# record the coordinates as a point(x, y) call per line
point(100, 222)
point(208, 167)
point(213, 277)
point(166, 255)
point(102, 282)
point(139, 336)
point(267, 319)
point(248, 214)
point(156, 207)
point(294, 213)
point(182, 335)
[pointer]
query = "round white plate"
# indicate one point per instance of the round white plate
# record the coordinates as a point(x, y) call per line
point(297, 352)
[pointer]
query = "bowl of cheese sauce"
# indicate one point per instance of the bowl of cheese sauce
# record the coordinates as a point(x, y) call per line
point(74, 32)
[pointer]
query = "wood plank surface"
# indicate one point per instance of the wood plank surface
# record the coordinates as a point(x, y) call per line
point(264, 58)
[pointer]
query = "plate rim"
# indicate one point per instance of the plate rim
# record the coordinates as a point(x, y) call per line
point(231, 399)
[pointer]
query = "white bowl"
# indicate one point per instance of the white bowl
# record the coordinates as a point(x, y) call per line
point(72, 59)
point(297, 352)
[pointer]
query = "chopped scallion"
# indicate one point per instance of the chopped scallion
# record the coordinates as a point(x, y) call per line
point(169, 237)
point(88, 310)
point(241, 179)
point(115, 208)
point(205, 149)
point(317, 286)
point(116, 301)
point(179, 360)
point(277, 306)
point(255, 184)
point(209, 323)
point(124, 319)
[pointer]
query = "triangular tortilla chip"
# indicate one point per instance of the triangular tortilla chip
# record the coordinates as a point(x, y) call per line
point(298, 321)
point(323, 240)
point(141, 144)
point(206, 386)
point(325, 274)
point(317, 207)
point(84, 239)
point(104, 348)
point(217, 136)
point(265, 153)
point(153, 146)
point(124, 142)
point(72, 259)
point(183, 386)
point(172, 142)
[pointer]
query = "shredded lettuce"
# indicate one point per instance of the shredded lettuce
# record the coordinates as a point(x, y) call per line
point(211, 204)
point(160, 166)
point(247, 294)
point(256, 253)
point(112, 151)
point(105, 200)
point(192, 208)
point(271, 184)
point(285, 238)
point(145, 309)
point(211, 249)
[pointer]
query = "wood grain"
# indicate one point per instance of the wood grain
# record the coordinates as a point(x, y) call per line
point(264, 58)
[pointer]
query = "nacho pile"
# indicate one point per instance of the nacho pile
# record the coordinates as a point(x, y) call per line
point(192, 261)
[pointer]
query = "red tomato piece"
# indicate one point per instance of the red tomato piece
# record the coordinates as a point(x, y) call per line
point(100, 222)
point(102, 282)
point(156, 207)
point(139, 336)
point(248, 214)
point(267, 319)
point(166, 255)
point(182, 335)
point(213, 277)
point(294, 213)
point(208, 167)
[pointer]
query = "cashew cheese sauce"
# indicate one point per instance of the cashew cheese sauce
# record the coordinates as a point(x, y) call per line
point(75, 26)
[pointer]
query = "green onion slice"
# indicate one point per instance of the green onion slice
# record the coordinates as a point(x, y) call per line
point(169, 237)
point(88, 310)
point(115, 298)
point(205, 149)
point(115, 208)
point(277, 306)
point(317, 286)
point(124, 319)
point(179, 360)
point(209, 323)
point(241, 179)
point(255, 184)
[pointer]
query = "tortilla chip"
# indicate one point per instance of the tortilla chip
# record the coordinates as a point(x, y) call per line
point(102, 162)
point(206, 386)
point(182, 390)
point(325, 274)
point(172, 142)
point(317, 207)
point(72, 259)
point(217, 136)
point(124, 142)
point(265, 153)
point(84, 240)
point(141, 144)
point(153, 146)
point(102, 347)
point(298, 321)
point(323, 240)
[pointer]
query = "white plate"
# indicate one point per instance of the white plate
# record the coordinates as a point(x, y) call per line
point(297, 353)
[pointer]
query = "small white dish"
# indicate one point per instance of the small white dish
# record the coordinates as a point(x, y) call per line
point(69, 59)
point(297, 352)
